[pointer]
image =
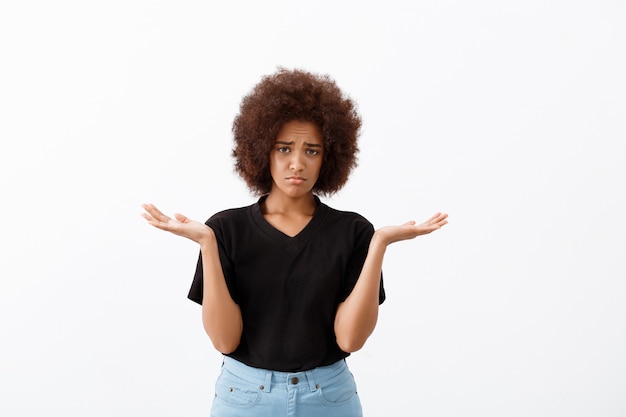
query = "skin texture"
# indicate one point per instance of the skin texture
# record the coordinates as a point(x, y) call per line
point(295, 164)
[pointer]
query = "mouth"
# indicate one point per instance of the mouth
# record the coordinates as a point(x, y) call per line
point(295, 180)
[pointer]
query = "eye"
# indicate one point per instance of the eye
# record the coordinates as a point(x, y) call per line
point(312, 152)
point(283, 149)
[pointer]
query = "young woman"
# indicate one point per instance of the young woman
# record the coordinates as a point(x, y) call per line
point(289, 287)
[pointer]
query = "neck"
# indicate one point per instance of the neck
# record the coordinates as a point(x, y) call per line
point(304, 205)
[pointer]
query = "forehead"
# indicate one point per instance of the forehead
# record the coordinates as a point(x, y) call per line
point(297, 129)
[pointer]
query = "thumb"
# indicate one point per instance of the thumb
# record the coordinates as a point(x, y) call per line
point(181, 218)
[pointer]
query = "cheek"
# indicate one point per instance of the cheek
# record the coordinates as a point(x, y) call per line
point(276, 164)
point(318, 167)
point(273, 161)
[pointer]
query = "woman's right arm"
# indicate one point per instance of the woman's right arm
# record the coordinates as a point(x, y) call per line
point(221, 316)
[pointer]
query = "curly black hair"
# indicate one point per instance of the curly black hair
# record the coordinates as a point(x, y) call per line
point(289, 95)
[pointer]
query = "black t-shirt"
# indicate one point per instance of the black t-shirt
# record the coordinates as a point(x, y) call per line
point(288, 288)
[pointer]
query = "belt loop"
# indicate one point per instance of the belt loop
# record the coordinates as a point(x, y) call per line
point(311, 380)
point(267, 386)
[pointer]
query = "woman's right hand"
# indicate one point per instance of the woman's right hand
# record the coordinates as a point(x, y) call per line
point(179, 225)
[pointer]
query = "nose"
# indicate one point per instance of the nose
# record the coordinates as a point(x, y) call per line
point(297, 161)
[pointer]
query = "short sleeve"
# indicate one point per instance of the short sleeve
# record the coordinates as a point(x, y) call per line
point(195, 292)
point(197, 285)
point(363, 232)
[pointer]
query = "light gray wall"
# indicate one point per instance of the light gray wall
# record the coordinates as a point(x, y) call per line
point(507, 115)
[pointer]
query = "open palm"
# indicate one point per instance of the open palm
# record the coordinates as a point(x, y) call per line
point(179, 225)
point(411, 229)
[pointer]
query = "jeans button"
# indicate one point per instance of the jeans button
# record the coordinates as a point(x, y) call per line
point(294, 380)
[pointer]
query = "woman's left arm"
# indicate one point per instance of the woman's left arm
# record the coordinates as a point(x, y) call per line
point(357, 315)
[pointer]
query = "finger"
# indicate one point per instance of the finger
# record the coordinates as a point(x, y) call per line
point(439, 223)
point(153, 222)
point(150, 208)
point(155, 213)
point(147, 217)
point(181, 218)
point(437, 218)
point(432, 220)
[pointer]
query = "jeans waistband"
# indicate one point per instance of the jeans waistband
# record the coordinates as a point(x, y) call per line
point(268, 378)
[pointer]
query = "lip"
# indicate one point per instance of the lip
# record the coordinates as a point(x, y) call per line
point(295, 180)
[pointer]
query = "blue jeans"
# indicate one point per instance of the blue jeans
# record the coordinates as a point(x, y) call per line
point(328, 391)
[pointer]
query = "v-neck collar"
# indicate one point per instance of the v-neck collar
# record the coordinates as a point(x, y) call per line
point(291, 244)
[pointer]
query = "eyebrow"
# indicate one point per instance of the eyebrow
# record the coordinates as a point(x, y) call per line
point(311, 145)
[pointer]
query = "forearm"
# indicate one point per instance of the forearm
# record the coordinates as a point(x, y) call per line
point(357, 316)
point(221, 316)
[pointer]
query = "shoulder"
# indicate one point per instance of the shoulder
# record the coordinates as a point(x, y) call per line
point(348, 218)
point(231, 219)
point(228, 215)
point(349, 227)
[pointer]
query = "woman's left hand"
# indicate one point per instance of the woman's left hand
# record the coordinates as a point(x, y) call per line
point(410, 230)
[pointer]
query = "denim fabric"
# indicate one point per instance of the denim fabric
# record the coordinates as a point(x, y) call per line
point(243, 391)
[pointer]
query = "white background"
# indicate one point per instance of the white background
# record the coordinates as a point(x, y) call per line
point(508, 115)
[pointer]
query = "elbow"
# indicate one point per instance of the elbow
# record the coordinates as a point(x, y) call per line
point(351, 336)
point(226, 341)
point(224, 347)
point(350, 344)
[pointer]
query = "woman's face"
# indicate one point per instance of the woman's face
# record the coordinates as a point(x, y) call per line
point(296, 158)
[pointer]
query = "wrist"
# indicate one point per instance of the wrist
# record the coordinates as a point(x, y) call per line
point(378, 241)
point(208, 240)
